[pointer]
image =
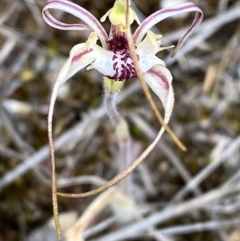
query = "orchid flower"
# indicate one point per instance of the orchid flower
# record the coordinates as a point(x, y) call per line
point(112, 57)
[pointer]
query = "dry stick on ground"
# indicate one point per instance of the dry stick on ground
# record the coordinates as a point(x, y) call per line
point(212, 225)
point(6, 49)
point(170, 231)
point(8, 11)
point(98, 228)
point(36, 13)
point(195, 204)
point(222, 6)
point(22, 40)
point(225, 62)
point(18, 141)
point(175, 230)
point(18, 63)
point(199, 227)
point(207, 170)
point(5, 151)
point(233, 180)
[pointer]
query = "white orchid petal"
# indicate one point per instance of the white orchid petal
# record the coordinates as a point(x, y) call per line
point(80, 57)
point(151, 42)
point(147, 62)
point(158, 16)
point(77, 11)
point(146, 51)
point(159, 80)
point(103, 61)
point(168, 112)
point(63, 26)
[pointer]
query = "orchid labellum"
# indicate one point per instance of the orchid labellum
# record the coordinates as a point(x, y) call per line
point(112, 58)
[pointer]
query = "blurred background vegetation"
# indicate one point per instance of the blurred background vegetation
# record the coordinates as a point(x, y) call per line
point(206, 118)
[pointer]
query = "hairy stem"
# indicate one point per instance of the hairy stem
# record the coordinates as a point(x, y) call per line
point(111, 107)
point(123, 137)
point(125, 157)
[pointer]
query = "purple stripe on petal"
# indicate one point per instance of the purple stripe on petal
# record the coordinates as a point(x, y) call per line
point(165, 13)
point(57, 24)
point(196, 22)
point(77, 57)
point(149, 21)
point(79, 12)
point(160, 76)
